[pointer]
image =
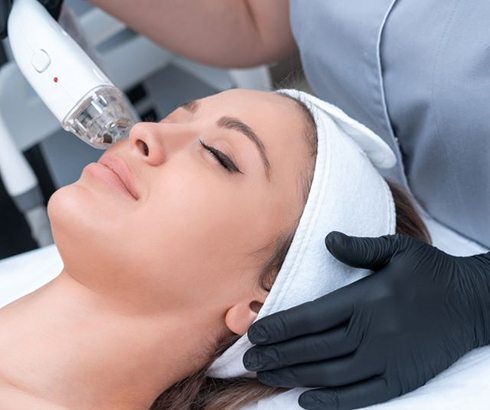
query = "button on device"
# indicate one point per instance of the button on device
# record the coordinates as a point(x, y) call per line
point(40, 60)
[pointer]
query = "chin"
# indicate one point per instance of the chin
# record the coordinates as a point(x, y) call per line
point(69, 210)
point(82, 224)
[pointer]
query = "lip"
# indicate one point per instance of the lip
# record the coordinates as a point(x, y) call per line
point(119, 167)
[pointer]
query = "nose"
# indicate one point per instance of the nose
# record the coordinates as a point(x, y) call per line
point(156, 142)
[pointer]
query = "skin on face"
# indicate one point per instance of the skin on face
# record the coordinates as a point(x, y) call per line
point(198, 234)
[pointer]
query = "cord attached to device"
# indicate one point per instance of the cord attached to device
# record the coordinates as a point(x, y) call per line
point(52, 6)
point(5, 7)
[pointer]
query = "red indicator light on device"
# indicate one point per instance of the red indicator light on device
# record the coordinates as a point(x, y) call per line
point(55, 79)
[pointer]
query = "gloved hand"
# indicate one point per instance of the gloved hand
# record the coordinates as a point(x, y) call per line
point(53, 7)
point(381, 336)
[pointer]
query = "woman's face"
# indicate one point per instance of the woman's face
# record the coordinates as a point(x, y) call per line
point(212, 186)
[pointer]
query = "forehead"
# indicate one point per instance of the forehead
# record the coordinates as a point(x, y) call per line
point(255, 104)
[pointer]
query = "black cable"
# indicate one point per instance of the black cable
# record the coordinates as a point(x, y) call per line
point(5, 6)
point(53, 7)
point(3, 55)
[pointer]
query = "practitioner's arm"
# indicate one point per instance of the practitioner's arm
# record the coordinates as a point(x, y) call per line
point(225, 33)
point(383, 335)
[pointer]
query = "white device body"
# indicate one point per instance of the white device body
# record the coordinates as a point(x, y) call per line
point(71, 85)
point(53, 63)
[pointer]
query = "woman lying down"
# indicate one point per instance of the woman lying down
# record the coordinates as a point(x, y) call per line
point(179, 238)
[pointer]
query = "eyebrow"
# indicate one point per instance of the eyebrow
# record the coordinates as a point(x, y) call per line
point(235, 124)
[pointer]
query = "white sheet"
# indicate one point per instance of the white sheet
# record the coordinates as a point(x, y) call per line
point(23, 274)
point(465, 385)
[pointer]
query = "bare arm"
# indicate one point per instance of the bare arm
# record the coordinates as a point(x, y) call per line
point(226, 33)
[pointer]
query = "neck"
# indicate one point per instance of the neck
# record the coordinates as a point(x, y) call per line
point(67, 346)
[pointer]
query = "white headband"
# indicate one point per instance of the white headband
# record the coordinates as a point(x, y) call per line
point(348, 195)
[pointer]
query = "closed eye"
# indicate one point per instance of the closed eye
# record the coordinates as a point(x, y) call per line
point(224, 160)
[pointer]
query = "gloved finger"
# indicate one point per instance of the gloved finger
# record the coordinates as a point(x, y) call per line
point(312, 317)
point(314, 348)
point(329, 373)
point(363, 394)
point(366, 253)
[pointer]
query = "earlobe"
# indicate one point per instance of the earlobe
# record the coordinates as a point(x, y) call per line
point(241, 316)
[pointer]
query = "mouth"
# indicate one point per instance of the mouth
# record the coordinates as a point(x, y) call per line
point(119, 167)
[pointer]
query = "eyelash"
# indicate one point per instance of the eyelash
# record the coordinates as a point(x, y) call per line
point(222, 158)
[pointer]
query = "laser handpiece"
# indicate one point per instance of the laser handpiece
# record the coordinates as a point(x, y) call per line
point(72, 86)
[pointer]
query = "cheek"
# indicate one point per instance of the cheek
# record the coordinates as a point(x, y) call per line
point(184, 217)
point(194, 231)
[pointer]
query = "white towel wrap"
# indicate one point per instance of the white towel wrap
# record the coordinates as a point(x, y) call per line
point(347, 194)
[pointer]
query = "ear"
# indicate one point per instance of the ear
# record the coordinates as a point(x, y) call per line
point(241, 315)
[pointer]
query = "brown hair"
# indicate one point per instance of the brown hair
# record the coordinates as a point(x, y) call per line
point(200, 392)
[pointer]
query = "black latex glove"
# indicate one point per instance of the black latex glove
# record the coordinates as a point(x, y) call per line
point(53, 7)
point(383, 335)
